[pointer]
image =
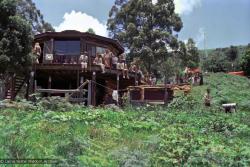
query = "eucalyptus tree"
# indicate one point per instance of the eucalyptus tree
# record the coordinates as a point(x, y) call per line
point(19, 21)
point(147, 30)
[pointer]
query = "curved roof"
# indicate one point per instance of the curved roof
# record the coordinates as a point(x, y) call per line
point(75, 34)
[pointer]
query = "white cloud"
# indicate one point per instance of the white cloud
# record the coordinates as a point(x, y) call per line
point(184, 6)
point(200, 36)
point(81, 22)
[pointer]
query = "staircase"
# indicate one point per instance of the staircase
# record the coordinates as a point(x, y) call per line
point(13, 86)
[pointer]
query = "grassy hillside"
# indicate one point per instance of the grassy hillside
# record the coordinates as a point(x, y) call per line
point(185, 133)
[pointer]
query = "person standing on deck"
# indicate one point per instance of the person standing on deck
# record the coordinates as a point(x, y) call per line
point(99, 61)
point(114, 61)
point(107, 58)
point(37, 51)
point(123, 66)
point(83, 60)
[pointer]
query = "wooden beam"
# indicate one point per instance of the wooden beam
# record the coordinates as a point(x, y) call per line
point(77, 79)
point(13, 82)
point(90, 93)
point(74, 67)
point(94, 89)
point(117, 87)
point(60, 90)
point(49, 84)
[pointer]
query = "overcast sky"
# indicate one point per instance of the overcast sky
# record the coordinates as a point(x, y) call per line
point(224, 22)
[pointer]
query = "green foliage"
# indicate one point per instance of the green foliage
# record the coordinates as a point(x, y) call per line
point(29, 12)
point(19, 21)
point(91, 31)
point(54, 103)
point(128, 158)
point(146, 29)
point(192, 58)
point(223, 59)
point(183, 134)
point(16, 39)
point(245, 61)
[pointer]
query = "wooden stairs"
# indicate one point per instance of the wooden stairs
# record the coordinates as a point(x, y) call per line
point(13, 86)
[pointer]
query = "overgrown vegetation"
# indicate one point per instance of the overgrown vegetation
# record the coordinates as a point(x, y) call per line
point(224, 59)
point(184, 134)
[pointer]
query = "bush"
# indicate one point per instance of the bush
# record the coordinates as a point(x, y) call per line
point(131, 158)
point(54, 103)
point(183, 103)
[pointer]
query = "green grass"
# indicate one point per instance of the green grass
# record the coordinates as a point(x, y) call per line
point(184, 134)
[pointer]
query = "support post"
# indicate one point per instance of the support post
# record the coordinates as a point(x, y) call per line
point(117, 87)
point(30, 89)
point(27, 89)
point(82, 93)
point(94, 89)
point(136, 79)
point(13, 79)
point(78, 79)
point(35, 86)
point(49, 84)
point(89, 93)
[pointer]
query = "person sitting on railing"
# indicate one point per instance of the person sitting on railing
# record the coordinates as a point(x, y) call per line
point(123, 66)
point(114, 61)
point(83, 60)
point(73, 60)
point(107, 58)
point(99, 61)
point(37, 51)
point(154, 80)
point(132, 67)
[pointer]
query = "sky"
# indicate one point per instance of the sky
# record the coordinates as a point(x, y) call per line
point(221, 23)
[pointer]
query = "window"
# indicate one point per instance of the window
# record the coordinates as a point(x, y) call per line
point(100, 50)
point(69, 47)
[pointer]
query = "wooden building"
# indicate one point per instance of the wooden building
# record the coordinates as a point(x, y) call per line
point(57, 75)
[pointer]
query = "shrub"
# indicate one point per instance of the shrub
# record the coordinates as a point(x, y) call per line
point(55, 103)
point(131, 158)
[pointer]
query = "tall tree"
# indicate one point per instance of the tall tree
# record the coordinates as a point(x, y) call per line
point(245, 62)
point(15, 38)
point(232, 53)
point(147, 30)
point(193, 58)
point(28, 10)
point(91, 31)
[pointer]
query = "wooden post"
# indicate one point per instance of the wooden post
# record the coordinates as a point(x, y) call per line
point(142, 94)
point(77, 83)
point(89, 93)
point(93, 96)
point(82, 80)
point(27, 89)
point(13, 79)
point(78, 79)
point(35, 86)
point(166, 91)
point(30, 89)
point(82, 93)
point(117, 87)
point(136, 79)
point(49, 84)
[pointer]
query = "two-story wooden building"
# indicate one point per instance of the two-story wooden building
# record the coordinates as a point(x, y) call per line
point(56, 74)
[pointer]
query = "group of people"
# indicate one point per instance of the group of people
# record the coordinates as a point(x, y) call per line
point(107, 60)
point(110, 61)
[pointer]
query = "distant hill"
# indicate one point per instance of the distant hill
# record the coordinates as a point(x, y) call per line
point(218, 59)
point(241, 50)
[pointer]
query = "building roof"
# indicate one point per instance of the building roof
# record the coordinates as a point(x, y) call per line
point(75, 34)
